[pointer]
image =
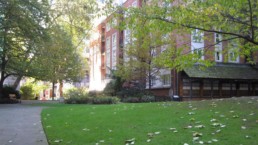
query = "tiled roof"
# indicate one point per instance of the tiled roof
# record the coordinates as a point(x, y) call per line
point(224, 71)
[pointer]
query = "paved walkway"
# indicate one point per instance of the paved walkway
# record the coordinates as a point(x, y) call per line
point(20, 125)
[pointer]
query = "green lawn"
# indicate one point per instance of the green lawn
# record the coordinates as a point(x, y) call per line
point(221, 122)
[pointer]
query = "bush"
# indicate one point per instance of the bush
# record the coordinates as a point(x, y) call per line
point(76, 93)
point(81, 96)
point(148, 98)
point(27, 92)
point(92, 100)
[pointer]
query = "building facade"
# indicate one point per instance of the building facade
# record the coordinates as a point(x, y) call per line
point(230, 76)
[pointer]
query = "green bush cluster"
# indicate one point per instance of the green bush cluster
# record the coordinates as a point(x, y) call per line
point(27, 92)
point(92, 100)
point(81, 96)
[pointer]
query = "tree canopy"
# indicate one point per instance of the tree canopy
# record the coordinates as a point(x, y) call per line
point(235, 20)
point(44, 40)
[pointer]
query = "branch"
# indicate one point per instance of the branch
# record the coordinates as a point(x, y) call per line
point(247, 37)
point(251, 19)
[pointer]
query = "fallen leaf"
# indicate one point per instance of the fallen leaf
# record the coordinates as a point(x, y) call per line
point(213, 120)
point(156, 133)
point(58, 140)
point(243, 127)
point(214, 140)
point(195, 138)
point(102, 141)
point(197, 134)
point(148, 140)
point(199, 126)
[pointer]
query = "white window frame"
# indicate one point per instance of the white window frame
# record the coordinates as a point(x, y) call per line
point(108, 27)
point(114, 49)
point(218, 47)
point(197, 46)
point(135, 4)
point(107, 56)
point(166, 79)
point(231, 56)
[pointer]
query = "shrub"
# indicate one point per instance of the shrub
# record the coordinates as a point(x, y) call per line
point(76, 93)
point(148, 98)
point(92, 100)
point(81, 96)
point(27, 92)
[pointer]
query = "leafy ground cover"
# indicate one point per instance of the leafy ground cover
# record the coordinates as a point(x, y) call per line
point(219, 122)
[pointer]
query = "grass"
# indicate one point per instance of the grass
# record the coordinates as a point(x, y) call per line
point(219, 122)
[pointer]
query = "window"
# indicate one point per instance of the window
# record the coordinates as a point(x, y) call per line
point(232, 56)
point(127, 36)
point(134, 4)
point(218, 47)
point(197, 43)
point(114, 22)
point(107, 27)
point(166, 79)
point(114, 45)
point(153, 80)
point(197, 36)
point(107, 56)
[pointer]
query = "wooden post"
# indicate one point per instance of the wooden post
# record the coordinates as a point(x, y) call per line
point(211, 89)
point(201, 88)
point(230, 88)
point(249, 88)
point(191, 89)
point(220, 88)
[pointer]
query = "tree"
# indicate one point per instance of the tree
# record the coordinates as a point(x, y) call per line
point(59, 60)
point(234, 20)
point(21, 32)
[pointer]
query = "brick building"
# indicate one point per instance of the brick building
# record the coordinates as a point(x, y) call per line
point(230, 76)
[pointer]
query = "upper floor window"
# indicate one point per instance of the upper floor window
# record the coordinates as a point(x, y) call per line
point(197, 43)
point(134, 4)
point(197, 36)
point(233, 53)
point(218, 47)
point(107, 27)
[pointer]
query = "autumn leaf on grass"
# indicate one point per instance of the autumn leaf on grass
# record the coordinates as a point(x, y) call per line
point(130, 141)
point(86, 129)
point(191, 113)
point(58, 140)
point(197, 134)
point(199, 126)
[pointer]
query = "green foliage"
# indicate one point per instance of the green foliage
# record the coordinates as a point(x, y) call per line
point(21, 35)
point(27, 92)
point(235, 20)
point(82, 96)
point(31, 89)
point(115, 85)
point(76, 93)
point(92, 100)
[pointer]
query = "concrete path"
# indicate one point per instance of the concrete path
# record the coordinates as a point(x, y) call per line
point(21, 125)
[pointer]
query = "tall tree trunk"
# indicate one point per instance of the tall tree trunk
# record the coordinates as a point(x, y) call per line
point(61, 88)
point(53, 90)
point(17, 82)
point(1, 83)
